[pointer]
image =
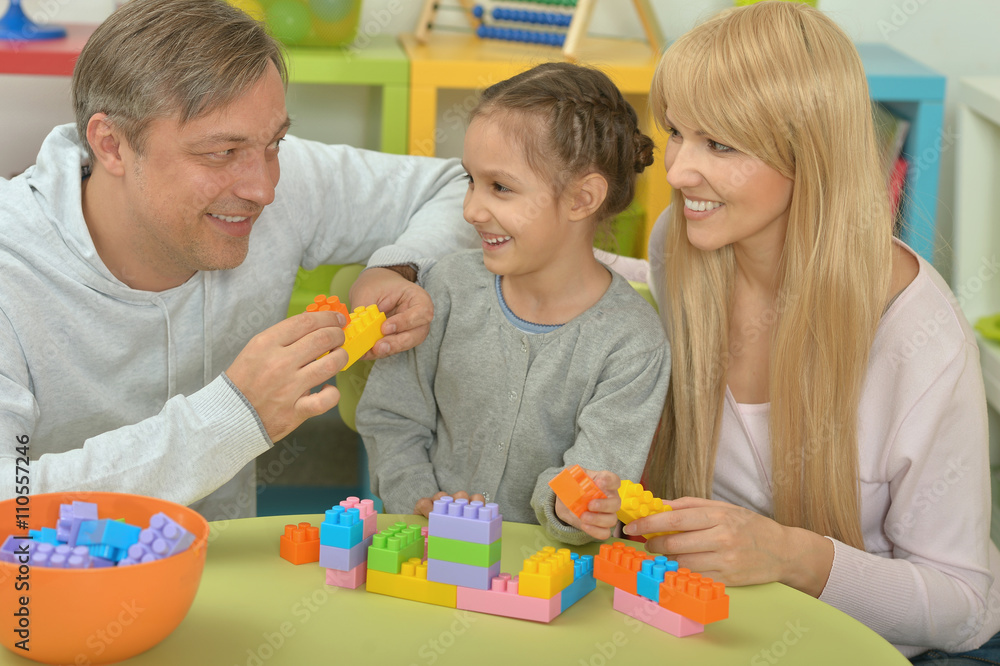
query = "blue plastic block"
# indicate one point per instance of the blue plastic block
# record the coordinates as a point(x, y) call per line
point(108, 552)
point(342, 528)
point(648, 579)
point(577, 590)
point(45, 535)
point(107, 533)
point(344, 559)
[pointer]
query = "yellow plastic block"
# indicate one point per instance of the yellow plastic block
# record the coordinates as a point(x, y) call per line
point(362, 332)
point(638, 503)
point(546, 573)
point(411, 583)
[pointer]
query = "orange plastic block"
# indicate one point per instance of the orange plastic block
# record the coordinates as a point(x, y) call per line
point(411, 583)
point(362, 332)
point(575, 489)
point(618, 565)
point(546, 573)
point(639, 503)
point(323, 303)
point(300, 545)
point(694, 596)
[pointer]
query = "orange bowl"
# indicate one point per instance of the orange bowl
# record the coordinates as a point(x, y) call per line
point(97, 616)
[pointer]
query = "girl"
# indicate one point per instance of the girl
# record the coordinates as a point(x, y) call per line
point(539, 357)
point(839, 459)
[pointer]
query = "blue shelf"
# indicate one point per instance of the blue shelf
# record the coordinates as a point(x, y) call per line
point(913, 91)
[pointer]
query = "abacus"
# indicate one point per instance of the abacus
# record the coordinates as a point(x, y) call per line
point(559, 23)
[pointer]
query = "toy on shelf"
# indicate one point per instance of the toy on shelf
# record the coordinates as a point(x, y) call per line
point(575, 489)
point(558, 23)
point(16, 26)
point(306, 22)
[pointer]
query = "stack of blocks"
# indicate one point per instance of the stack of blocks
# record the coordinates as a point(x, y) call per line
point(344, 537)
point(463, 543)
point(658, 592)
point(462, 569)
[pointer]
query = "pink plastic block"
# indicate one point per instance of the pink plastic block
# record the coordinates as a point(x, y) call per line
point(352, 579)
point(424, 532)
point(502, 599)
point(465, 521)
point(366, 511)
point(655, 615)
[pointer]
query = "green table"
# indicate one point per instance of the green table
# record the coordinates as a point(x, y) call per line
point(253, 608)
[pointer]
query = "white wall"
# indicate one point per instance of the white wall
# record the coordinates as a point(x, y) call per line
point(956, 37)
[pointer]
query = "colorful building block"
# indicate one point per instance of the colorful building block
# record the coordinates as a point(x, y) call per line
point(352, 579)
point(341, 528)
point(45, 535)
point(344, 559)
point(583, 581)
point(618, 565)
point(503, 599)
point(638, 503)
point(655, 615)
point(107, 533)
point(299, 544)
point(391, 547)
point(649, 577)
point(323, 303)
point(411, 583)
point(367, 513)
point(14, 548)
point(546, 573)
point(466, 575)
point(464, 552)
point(362, 332)
point(168, 534)
point(71, 516)
point(465, 521)
point(575, 489)
point(694, 596)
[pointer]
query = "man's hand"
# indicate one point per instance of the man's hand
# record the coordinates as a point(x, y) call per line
point(425, 505)
point(279, 366)
point(408, 309)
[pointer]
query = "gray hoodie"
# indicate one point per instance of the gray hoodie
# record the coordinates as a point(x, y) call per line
point(124, 390)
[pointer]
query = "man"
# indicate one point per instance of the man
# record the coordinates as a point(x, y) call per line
point(147, 259)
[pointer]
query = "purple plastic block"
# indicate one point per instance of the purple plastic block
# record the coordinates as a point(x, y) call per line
point(169, 538)
point(70, 517)
point(344, 559)
point(14, 547)
point(342, 528)
point(79, 558)
point(142, 551)
point(459, 519)
point(464, 575)
point(59, 557)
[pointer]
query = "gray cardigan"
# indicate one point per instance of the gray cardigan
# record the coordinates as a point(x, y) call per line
point(483, 407)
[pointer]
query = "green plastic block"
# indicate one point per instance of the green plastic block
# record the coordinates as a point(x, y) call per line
point(391, 547)
point(463, 552)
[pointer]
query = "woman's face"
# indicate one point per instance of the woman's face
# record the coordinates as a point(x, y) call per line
point(729, 197)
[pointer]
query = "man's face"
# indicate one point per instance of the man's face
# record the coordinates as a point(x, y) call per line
point(194, 194)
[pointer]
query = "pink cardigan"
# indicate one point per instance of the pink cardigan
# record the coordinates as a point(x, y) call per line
point(927, 576)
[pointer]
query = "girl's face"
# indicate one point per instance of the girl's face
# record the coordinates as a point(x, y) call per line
point(728, 196)
point(521, 221)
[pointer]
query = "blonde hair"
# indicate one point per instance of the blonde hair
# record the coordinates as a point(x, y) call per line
point(155, 58)
point(781, 82)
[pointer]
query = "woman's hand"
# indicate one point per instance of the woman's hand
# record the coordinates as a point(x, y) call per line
point(737, 546)
point(602, 514)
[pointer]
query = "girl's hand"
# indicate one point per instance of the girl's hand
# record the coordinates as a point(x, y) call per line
point(737, 546)
point(602, 514)
point(426, 505)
